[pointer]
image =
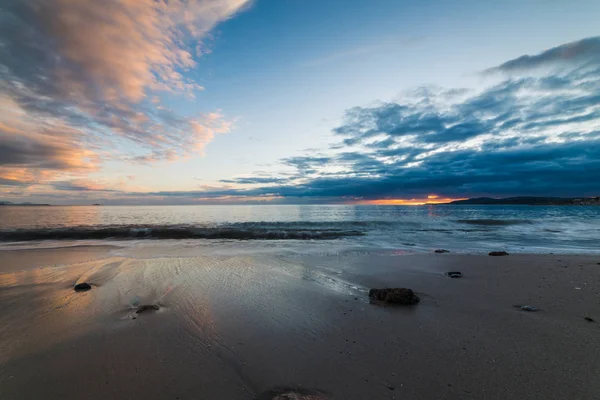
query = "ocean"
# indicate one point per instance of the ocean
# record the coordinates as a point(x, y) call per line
point(473, 228)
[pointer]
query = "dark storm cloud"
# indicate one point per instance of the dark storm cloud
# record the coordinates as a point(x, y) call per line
point(566, 169)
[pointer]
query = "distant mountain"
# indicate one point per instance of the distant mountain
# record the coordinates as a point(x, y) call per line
point(9, 203)
point(533, 201)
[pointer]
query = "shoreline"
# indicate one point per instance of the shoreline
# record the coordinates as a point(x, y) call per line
point(240, 326)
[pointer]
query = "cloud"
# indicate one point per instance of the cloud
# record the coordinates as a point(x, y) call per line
point(81, 186)
point(533, 134)
point(33, 151)
point(254, 180)
point(113, 50)
point(86, 74)
point(530, 135)
point(581, 52)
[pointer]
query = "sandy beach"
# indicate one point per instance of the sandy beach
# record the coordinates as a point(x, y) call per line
point(249, 327)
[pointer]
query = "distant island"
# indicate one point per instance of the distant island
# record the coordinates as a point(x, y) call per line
point(532, 201)
point(8, 203)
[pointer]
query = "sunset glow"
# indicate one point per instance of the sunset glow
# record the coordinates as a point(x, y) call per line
point(432, 199)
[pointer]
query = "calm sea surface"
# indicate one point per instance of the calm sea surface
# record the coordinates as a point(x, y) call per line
point(412, 228)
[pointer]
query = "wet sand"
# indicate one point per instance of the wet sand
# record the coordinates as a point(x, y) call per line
point(237, 327)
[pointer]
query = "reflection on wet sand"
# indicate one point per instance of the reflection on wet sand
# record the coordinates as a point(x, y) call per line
point(238, 326)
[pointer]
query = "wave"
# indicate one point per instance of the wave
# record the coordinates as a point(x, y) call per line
point(499, 222)
point(244, 232)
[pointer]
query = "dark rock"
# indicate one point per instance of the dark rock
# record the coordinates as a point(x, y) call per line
point(454, 274)
point(394, 296)
point(588, 319)
point(442, 251)
point(82, 287)
point(498, 253)
point(526, 308)
point(147, 307)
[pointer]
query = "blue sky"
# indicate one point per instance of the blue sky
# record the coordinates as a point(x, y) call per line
point(281, 81)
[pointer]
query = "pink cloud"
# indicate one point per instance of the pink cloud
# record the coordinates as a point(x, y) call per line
point(118, 50)
point(77, 77)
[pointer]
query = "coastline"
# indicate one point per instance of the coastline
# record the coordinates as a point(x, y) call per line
point(240, 326)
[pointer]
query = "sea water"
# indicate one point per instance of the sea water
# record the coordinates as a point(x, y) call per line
point(464, 228)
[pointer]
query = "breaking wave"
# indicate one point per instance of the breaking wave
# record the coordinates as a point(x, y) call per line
point(268, 231)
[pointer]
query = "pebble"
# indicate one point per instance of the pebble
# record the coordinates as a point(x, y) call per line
point(82, 287)
point(527, 308)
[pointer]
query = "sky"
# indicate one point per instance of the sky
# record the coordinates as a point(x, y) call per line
point(297, 101)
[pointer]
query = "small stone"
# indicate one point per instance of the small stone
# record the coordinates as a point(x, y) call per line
point(529, 308)
point(498, 253)
point(82, 287)
point(588, 319)
point(391, 387)
point(454, 274)
point(442, 251)
point(526, 308)
point(147, 307)
point(401, 296)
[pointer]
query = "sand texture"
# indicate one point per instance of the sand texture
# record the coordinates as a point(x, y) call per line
point(250, 327)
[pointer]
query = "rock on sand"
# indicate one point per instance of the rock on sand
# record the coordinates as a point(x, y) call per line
point(82, 287)
point(400, 296)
